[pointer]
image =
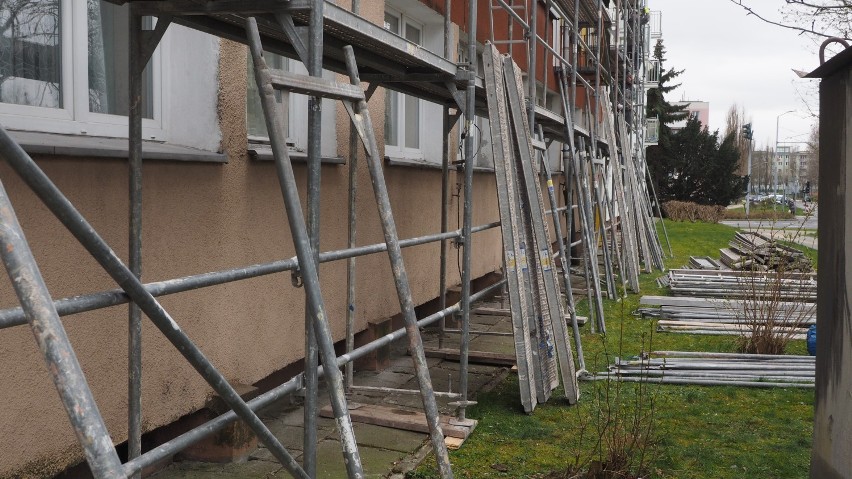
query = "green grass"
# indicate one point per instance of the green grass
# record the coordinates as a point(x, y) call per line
point(761, 211)
point(703, 432)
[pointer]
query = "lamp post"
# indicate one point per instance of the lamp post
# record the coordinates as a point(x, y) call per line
point(777, 155)
point(748, 134)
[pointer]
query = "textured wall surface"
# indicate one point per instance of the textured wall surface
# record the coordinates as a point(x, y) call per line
point(199, 218)
point(831, 456)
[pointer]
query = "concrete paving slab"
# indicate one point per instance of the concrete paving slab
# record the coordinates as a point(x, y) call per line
point(202, 470)
point(386, 378)
point(485, 319)
point(496, 344)
point(290, 436)
point(388, 438)
point(376, 462)
point(381, 448)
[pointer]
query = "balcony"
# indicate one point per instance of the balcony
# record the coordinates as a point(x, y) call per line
point(652, 73)
point(656, 23)
point(652, 131)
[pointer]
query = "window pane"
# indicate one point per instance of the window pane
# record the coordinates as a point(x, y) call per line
point(109, 83)
point(391, 23)
point(30, 55)
point(392, 118)
point(412, 34)
point(255, 121)
point(412, 122)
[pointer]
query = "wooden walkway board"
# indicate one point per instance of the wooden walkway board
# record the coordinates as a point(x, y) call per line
point(404, 419)
point(476, 357)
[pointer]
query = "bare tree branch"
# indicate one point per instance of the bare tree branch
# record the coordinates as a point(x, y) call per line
point(791, 27)
point(844, 4)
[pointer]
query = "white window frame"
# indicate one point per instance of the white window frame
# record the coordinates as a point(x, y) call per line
point(401, 151)
point(295, 104)
point(74, 117)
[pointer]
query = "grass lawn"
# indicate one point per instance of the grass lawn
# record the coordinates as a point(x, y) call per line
point(761, 211)
point(700, 431)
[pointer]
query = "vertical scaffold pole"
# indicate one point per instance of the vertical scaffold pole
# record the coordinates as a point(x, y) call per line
point(361, 115)
point(53, 342)
point(445, 213)
point(351, 234)
point(532, 42)
point(134, 335)
point(314, 67)
point(469, 118)
point(305, 255)
point(445, 180)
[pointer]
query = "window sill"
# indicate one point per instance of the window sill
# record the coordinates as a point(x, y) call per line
point(90, 146)
point(261, 152)
point(428, 165)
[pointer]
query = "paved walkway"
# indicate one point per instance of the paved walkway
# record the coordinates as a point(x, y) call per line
point(385, 452)
point(800, 230)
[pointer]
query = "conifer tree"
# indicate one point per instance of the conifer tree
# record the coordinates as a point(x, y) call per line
point(658, 156)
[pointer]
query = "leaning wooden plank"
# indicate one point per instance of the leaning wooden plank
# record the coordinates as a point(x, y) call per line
point(552, 310)
point(476, 357)
point(485, 311)
point(502, 152)
point(536, 255)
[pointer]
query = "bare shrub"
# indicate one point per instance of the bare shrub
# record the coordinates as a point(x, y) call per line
point(692, 212)
point(621, 430)
point(779, 304)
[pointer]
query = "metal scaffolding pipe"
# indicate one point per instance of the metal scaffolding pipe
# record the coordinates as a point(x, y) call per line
point(467, 237)
point(90, 302)
point(59, 205)
point(134, 335)
point(701, 382)
point(194, 435)
point(445, 214)
point(307, 262)
point(376, 389)
point(314, 175)
point(415, 343)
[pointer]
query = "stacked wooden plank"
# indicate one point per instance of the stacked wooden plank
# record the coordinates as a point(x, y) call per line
point(722, 369)
point(542, 348)
point(750, 250)
point(704, 262)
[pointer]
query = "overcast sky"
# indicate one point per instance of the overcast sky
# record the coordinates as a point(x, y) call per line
point(731, 58)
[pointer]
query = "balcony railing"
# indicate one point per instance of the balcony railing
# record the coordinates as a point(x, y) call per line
point(652, 131)
point(656, 23)
point(652, 73)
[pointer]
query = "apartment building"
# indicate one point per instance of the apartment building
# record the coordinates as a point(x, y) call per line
point(211, 200)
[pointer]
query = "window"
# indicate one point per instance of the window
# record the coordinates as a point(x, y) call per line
point(255, 123)
point(403, 113)
point(64, 69)
point(295, 110)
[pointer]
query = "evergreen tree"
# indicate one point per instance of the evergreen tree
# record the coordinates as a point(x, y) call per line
point(658, 156)
point(702, 169)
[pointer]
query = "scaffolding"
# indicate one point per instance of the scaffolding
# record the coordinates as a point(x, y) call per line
point(603, 150)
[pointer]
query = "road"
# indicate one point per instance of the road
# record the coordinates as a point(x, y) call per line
point(796, 230)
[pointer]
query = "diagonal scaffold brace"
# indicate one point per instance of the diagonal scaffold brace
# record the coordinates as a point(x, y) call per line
point(304, 252)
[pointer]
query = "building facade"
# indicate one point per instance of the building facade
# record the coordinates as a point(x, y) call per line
point(212, 201)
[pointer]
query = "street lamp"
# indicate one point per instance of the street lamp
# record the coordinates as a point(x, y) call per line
point(748, 134)
point(777, 155)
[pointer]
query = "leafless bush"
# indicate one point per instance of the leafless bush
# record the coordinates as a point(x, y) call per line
point(692, 212)
point(778, 306)
point(621, 429)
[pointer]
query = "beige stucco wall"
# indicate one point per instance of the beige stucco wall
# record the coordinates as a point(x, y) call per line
point(199, 218)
